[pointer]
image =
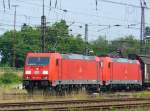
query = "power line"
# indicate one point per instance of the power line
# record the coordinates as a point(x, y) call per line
point(73, 23)
point(119, 25)
point(81, 12)
point(19, 14)
point(79, 26)
point(70, 11)
point(91, 24)
point(124, 4)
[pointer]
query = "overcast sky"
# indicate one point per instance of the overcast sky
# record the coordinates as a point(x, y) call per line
point(80, 12)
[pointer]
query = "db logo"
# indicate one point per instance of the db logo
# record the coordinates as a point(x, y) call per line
point(37, 68)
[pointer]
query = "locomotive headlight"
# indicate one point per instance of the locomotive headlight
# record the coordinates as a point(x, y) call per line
point(45, 72)
point(28, 72)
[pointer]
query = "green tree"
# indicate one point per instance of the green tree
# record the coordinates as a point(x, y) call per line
point(147, 31)
point(28, 40)
point(128, 45)
point(60, 40)
point(100, 46)
point(147, 41)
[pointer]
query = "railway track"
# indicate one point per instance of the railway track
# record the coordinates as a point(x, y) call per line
point(19, 96)
point(68, 105)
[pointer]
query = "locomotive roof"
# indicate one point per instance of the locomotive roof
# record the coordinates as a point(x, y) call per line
point(38, 54)
point(123, 60)
point(66, 56)
point(145, 58)
point(78, 56)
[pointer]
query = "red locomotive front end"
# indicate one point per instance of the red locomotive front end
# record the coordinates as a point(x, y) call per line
point(40, 69)
point(36, 68)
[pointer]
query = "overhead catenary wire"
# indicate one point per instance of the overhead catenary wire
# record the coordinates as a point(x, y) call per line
point(49, 19)
point(80, 13)
point(68, 21)
point(7, 13)
point(54, 19)
point(86, 14)
point(106, 27)
point(129, 26)
point(121, 3)
point(73, 12)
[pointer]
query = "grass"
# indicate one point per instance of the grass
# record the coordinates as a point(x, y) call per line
point(79, 95)
point(9, 78)
point(9, 81)
point(141, 94)
point(134, 109)
point(3, 70)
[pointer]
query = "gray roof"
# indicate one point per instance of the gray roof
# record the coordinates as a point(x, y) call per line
point(78, 56)
point(145, 58)
point(124, 60)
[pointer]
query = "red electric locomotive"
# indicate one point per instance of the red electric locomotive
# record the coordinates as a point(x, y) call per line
point(121, 72)
point(51, 70)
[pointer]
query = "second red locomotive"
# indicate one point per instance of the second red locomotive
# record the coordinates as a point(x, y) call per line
point(121, 72)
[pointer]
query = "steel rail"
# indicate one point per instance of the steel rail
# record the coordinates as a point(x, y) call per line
point(76, 104)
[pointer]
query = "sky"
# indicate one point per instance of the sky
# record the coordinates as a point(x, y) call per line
point(79, 13)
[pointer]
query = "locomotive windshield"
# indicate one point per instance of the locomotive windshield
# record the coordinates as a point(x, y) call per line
point(40, 61)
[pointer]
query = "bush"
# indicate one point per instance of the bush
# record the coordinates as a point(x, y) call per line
point(9, 78)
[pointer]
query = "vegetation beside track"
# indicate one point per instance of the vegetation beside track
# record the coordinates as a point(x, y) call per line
point(9, 78)
point(141, 94)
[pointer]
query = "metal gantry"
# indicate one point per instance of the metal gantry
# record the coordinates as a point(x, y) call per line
point(14, 37)
point(86, 39)
point(43, 30)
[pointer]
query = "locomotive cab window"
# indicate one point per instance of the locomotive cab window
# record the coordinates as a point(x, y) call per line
point(40, 61)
